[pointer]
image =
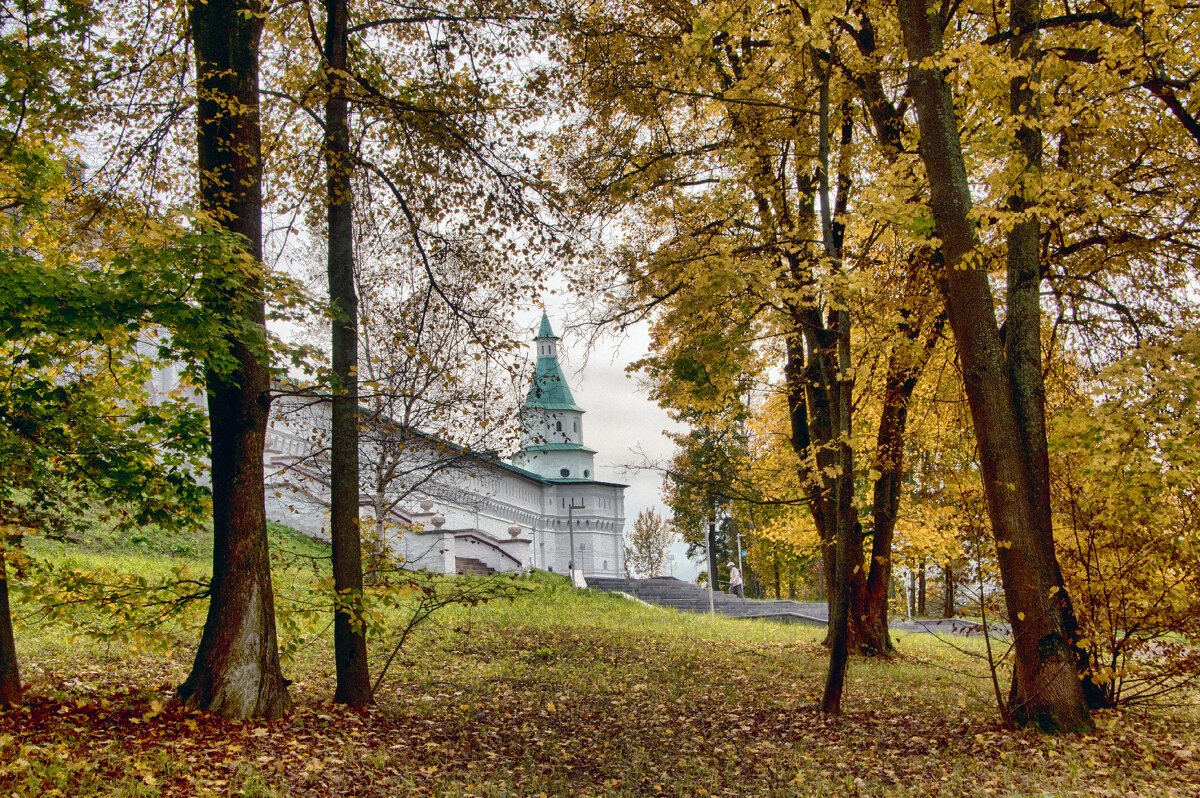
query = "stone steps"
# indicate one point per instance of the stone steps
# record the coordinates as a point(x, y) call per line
point(469, 566)
point(688, 597)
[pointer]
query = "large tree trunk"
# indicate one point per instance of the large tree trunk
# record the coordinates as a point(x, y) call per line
point(349, 631)
point(1023, 329)
point(889, 123)
point(10, 676)
point(236, 672)
point(1047, 684)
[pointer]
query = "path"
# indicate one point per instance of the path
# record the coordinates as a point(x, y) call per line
point(667, 591)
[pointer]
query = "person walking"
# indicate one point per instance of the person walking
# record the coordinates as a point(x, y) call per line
point(735, 582)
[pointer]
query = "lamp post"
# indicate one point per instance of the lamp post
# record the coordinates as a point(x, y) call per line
point(739, 547)
point(571, 508)
point(712, 574)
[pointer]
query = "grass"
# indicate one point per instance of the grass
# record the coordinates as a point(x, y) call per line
point(561, 693)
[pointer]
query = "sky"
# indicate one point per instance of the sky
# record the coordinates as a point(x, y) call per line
point(621, 423)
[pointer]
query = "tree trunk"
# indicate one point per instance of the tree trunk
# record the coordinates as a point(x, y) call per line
point(1048, 688)
point(10, 676)
point(947, 591)
point(1023, 329)
point(921, 589)
point(849, 533)
point(899, 385)
point(838, 387)
point(889, 124)
point(778, 592)
point(236, 672)
point(889, 461)
point(349, 630)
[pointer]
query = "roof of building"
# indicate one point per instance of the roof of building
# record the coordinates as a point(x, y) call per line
point(549, 389)
point(544, 330)
point(546, 480)
point(556, 447)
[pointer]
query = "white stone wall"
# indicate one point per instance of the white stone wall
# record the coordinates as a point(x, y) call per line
point(475, 495)
point(579, 463)
point(550, 426)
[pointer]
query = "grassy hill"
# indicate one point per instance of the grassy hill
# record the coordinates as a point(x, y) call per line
point(558, 692)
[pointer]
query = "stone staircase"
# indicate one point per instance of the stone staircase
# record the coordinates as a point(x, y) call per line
point(469, 566)
point(667, 591)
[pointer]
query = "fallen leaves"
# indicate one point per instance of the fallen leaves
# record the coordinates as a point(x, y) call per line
point(649, 712)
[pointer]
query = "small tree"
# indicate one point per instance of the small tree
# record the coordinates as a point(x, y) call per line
point(85, 317)
point(646, 545)
point(1124, 464)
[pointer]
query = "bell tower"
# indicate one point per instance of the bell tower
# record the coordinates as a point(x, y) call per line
point(551, 423)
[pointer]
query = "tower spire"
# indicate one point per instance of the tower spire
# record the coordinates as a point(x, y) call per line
point(544, 330)
point(551, 422)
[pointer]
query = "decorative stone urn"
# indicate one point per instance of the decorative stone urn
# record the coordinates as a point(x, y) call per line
point(438, 521)
point(514, 531)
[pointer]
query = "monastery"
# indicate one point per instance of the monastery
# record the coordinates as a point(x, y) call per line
point(461, 511)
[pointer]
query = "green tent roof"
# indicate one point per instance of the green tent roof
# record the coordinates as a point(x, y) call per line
point(544, 330)
point(549, 389)
point(557, 447)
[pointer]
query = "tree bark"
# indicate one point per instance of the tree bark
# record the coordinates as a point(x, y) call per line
point(921, 589)
point(1023, 328)
point(349, 630)
point(849, 532)
point(10, 675)
point(948, 591)
point(1047, 684)
point(899, 385)
point(236, 672)
point(778, 591)
point(889, 124)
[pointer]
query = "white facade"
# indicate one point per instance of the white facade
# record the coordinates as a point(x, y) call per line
point(448, 506)
point(451, 505)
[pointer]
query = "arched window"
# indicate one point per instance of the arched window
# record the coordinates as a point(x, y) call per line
point(558, 426)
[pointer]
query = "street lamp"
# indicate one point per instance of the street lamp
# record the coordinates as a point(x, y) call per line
point(571, 534)
point(708, 558)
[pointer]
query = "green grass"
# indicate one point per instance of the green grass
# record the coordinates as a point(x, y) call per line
point(558, 692)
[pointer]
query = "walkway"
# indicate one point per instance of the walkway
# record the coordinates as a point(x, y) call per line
point(667, 591)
